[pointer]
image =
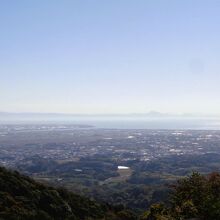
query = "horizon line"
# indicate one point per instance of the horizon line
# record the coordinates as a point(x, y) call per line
point(149, 113)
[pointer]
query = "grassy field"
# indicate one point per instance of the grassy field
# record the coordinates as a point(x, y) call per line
point(124, 174)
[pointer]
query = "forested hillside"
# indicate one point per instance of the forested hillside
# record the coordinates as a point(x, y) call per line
point(195, 197)
point(23, 198)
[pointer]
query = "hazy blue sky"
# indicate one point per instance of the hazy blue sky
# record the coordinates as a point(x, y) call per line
point(108, 56)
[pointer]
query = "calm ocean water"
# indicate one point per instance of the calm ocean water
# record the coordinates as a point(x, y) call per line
point(194, 124)
point(130, 123)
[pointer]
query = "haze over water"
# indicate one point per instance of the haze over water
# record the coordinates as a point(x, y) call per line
point(125, 122)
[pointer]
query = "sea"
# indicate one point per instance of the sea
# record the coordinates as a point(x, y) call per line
point(181, 123)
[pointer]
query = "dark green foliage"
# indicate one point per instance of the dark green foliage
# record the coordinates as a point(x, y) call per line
point(21, 198)
point(147, 184)
point(194, 197)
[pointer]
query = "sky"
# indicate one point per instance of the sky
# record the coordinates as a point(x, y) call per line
point(110, 56)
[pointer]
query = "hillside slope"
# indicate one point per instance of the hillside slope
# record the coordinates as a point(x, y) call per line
point(23, 198)
point(194, 197)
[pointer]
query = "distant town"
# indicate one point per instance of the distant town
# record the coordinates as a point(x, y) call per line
point(72, 142)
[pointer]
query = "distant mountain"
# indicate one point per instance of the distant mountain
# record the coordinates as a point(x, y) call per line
point(36, 114)
point(154, 114)
point(22, 198)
